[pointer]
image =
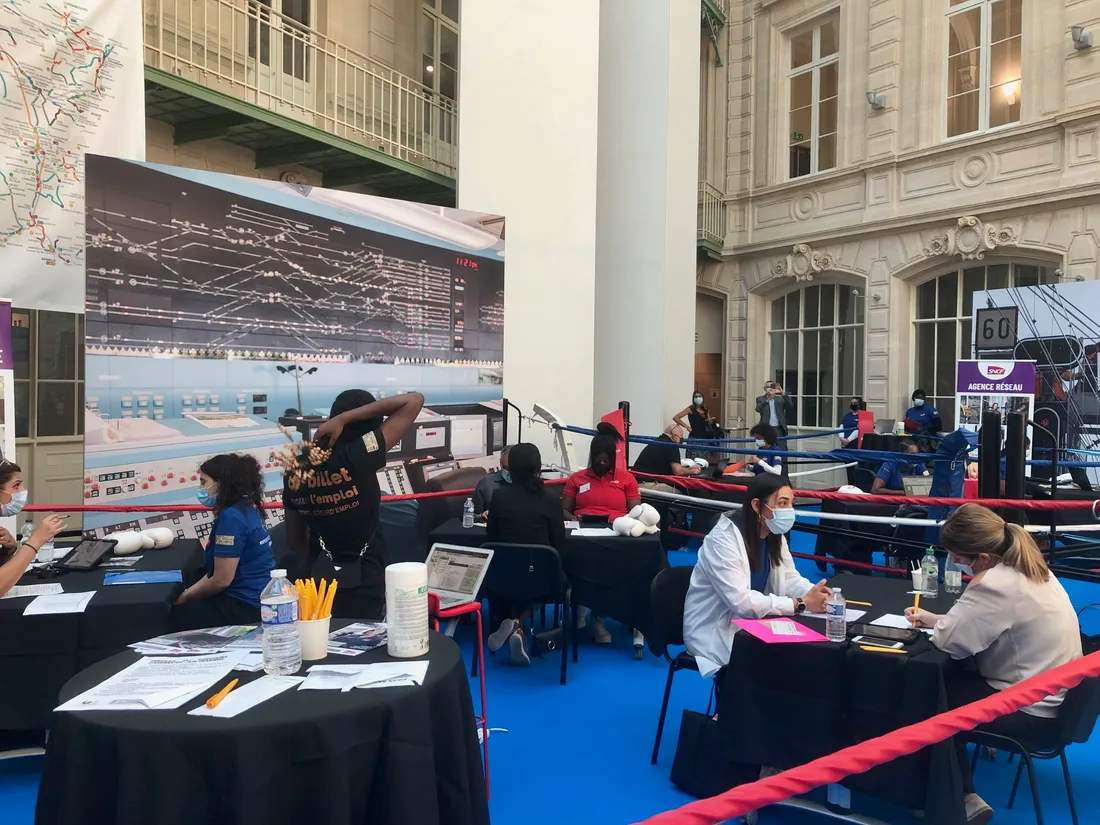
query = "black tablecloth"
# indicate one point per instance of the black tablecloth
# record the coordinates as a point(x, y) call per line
point(783, 705)
point(38, 654)
point(610, 574)
point(384, 755)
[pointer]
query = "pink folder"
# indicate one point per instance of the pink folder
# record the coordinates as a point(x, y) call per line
point(761, 629)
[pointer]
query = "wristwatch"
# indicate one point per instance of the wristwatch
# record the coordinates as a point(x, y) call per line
point(799, 607)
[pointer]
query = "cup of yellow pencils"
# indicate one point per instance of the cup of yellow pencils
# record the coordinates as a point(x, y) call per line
point(314, 613)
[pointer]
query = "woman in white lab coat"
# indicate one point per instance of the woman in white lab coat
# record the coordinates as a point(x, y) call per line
point(745, 571)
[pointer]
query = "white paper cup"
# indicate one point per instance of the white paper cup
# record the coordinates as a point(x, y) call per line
point(314, 636)
point(918, 580)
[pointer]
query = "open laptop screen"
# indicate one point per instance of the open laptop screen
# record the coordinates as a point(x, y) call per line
point(456, 569)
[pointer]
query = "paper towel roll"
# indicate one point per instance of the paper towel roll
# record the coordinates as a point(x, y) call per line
point(128, 542)
point(407, 609)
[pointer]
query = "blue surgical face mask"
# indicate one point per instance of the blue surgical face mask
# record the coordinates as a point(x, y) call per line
point(918, 402)
point(16, 505)
point(966, 569)
point(782, 520)
point(205, 497)
point(761, 443)
point(698, 400)
point(506, 475)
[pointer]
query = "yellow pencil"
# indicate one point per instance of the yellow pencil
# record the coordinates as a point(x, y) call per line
point(916, 608)
point(858, 604)
point(321, 599)
point(876, 649)
point(216, 699)
point(326, 610)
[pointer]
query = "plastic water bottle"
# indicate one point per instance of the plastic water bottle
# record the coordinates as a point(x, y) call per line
point(836, 617)
point(468, 513)
point(930, 575)
point(282, 645)
point(26, 530)
point(952, 577)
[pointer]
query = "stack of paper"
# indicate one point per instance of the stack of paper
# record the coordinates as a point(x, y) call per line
point(23, 591)
point(245, 638)
point(357, 638)
point(157, 683)
point(593, 532)
point(380, 674)
point(898, 621)
point(849, 615)
point(59, 603)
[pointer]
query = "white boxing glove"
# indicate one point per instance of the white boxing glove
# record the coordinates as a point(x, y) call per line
point(126, 543)
point(627, 526)
point(701, 463)
point(648, 515)
point(162, 536)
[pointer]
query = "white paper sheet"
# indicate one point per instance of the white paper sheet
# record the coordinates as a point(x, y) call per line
point(243, 698)
point(572, 525)
point(332, 677)
point(782, 627)
point(59, 603)
point(22, 591)
point(894, 620)
point(593, 531)
point(251, 662)
point(850, 615)
point(157, 682)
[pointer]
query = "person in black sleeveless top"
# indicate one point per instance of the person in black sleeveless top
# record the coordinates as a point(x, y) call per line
point(700, 423)
point(332, 499)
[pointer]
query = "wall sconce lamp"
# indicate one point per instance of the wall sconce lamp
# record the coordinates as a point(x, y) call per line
point(876, 100)
point(1082, 38)
point(1009, 90)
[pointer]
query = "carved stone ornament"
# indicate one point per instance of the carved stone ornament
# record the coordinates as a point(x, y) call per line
point(970, 239)
point(803, 263)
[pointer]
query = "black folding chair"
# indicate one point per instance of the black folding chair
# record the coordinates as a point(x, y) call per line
point(666, 627)
point(533, 573)
point(1075, 722)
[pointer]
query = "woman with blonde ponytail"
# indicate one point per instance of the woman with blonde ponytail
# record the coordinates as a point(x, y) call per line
point(1014, 621)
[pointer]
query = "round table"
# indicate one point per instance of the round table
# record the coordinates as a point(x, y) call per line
point(382, 755)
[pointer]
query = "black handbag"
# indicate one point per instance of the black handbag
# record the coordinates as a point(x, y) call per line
point(703, 766)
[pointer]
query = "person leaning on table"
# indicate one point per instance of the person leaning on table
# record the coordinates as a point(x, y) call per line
point(1014, 620)
point(16, 558)
point(745, 571)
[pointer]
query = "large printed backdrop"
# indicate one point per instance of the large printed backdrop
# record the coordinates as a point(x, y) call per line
point(205, 292)
point(72, 80)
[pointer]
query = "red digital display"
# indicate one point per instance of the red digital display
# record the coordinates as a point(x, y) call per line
point(468, 263)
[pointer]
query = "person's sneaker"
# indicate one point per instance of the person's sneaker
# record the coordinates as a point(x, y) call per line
point(978, 811)
point(599, 632)
point(582, 618)
point(499, 636)
point(517, 645)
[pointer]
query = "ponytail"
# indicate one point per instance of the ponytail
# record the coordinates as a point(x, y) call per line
point(1023, 553)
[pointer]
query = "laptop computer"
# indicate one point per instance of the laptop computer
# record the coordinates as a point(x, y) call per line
point(455, 573)
point(885, 426)
point(917, 485)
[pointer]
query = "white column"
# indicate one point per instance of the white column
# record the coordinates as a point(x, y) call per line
point(646, 213)
point(528, 85)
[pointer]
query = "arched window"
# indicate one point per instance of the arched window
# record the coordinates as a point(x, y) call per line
point(817, 350)
point(942, 312)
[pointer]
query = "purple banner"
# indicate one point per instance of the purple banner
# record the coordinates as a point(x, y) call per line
point(996, 377)
point(6, 358)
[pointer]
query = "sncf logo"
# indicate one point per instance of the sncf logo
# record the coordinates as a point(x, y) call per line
point(995, 371)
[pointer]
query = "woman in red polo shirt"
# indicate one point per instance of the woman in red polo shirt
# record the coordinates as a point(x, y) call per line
point(601, 490)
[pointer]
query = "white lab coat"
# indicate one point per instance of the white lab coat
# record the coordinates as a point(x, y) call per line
point(721, 591)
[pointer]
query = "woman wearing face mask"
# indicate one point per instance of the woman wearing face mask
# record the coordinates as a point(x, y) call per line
point(16, 558)
point(766, 438)
point(238, 556)
point(601, 490)
point(698, 421)
point(745, 571)
point(850, 422)
point(1014, 620)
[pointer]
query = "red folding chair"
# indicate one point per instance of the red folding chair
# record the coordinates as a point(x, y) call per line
point(478, 665)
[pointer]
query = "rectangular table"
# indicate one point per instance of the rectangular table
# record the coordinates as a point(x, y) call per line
point(610, 574)
point(783, 705)
point(38, 654)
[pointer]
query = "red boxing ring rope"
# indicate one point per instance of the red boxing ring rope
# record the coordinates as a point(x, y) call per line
point(874, 752)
